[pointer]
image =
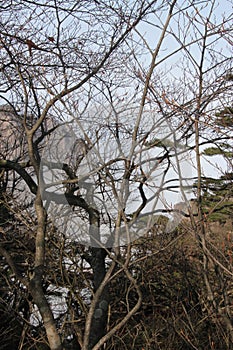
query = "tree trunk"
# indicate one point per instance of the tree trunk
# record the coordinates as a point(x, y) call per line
point(97, 261)
point(99, 318)
point(41, 302)
point(35, 285)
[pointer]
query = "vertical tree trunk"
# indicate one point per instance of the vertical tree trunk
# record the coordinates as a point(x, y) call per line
point(99, 318)
point(41, 302)
point(35, 285)
point(96, 326)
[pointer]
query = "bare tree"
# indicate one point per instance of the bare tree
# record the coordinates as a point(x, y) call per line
point(113, 100)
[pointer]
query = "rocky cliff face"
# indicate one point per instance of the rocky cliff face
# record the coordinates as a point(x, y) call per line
point(11, 134)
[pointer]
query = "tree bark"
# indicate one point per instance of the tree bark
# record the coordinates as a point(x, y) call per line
point(41, 302)
point(96, 327)
point(36, 282)
point(99, 318)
